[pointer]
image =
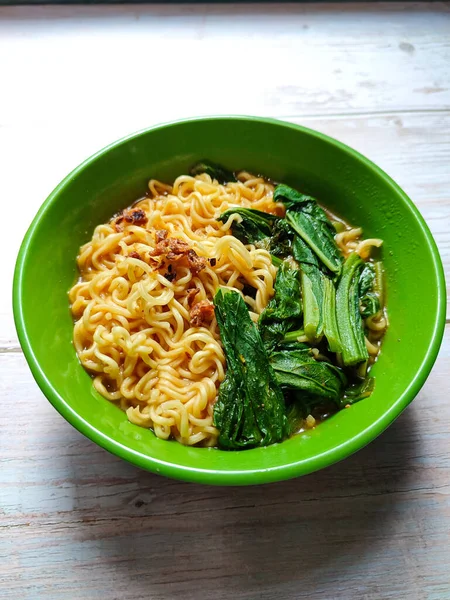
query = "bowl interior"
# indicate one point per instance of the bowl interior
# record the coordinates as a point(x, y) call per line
point(342, 180)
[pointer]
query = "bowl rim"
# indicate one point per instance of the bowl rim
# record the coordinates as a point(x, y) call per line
point(215, 476)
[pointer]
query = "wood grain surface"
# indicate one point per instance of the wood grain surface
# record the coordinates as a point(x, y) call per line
point(77, 522)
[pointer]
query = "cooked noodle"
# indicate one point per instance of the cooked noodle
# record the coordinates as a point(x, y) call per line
point(133, 308)
point(348, 240)
point(133, 328)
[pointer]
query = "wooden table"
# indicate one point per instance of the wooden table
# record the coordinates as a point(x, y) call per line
point(79, 523)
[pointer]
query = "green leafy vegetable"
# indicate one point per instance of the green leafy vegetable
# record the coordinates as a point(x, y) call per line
point(303, 253)
point(214, 170)
point(284, 309)
point(302, 405)
point(310, 222)
point(272, 380)
point(330, 327)
point(366, 279)
point(294, 345)
point(296, 412)
point(282, 239)
point(357, 391)
point(297, 369)
point(349, 321)
point(312, 289)
point(276, 261)
point(253, 226)
point(250, 409)
point(312, 294)
point(292, 336)
point(291, 198)
point(369, 305)
point(318, 238)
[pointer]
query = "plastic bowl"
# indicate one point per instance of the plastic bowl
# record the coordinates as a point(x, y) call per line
point(341, 178)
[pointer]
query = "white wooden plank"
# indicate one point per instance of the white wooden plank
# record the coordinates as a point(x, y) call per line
point(78, 522)
point(159, 62)
point(414, 148)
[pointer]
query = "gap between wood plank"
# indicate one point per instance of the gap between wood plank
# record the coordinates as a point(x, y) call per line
point(363, 113)
point(10, 349)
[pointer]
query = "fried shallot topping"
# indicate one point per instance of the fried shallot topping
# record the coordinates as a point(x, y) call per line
point(175, 250)
point(202, 313)
point(161, 235)
point(131, 216)
point(191, 296)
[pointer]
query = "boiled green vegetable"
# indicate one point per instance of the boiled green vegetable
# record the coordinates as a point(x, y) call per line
point(292, 336)
point(369, 305)
point(369, 302)
point(291, 198)
point(214, 170)
point(330, 327)
point(273, 381)
point(358, 391)
point(349, 321)
point(312, 293)
point(318, 238)
point(312, 280)
point(253, 226)
point(296, 412)
point(250, 409)
point(298, 370)
point(275, 260)
point(310, 222)
point(282, 239)
point(285, 309)
point(303, 253)
point(366, 279)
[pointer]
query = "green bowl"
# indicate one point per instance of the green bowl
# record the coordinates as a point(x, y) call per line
point(342, 179)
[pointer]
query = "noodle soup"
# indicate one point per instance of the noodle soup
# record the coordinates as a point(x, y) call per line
point(223, 310)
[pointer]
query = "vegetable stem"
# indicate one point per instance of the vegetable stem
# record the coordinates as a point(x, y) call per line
point(312, 292)
point(349, 321)
point(275, 260)
point(292, 336)
point(330, 326)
